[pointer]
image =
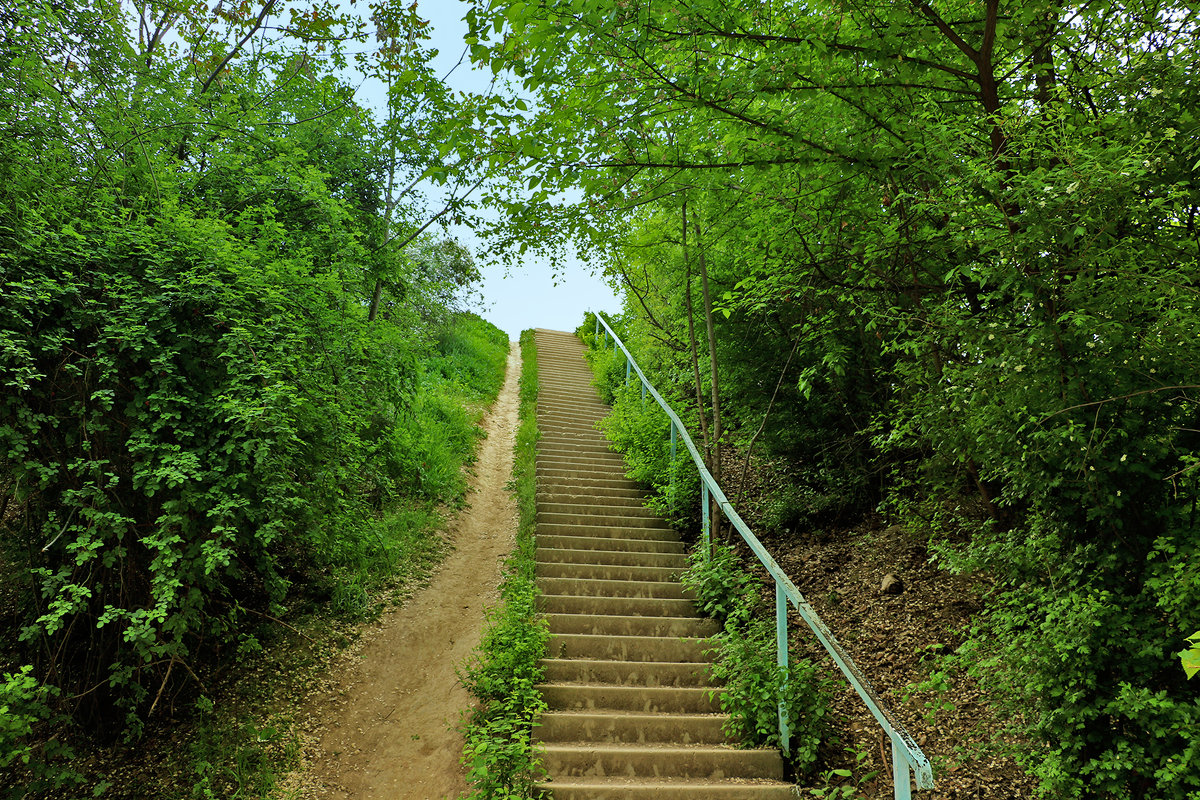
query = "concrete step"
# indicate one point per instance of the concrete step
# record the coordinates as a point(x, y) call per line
point(580, 417)
point(630, 728)
point(617, 558)
point(628, 510)
point(565, 480)
point(629, 648)
point(640, 699)
point(617, 788)
point(594, 494)
point(574, 435)
point(575, 449)
point(608, 532)
point(571, 453)
point(711, 762)
point(650, 590)
point(615, 625)
point(557, 387)
point(576, 425)
point(627, 544)
point(606, 572)
point(651, 521)
point(626, 673)
point(582, 474)
point(615, 467)
point(555, 432)
point(552, 403)
point(646, 605)
point(554, 442)
point(610, 463)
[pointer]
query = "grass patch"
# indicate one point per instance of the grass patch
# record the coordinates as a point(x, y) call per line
point(498, 750)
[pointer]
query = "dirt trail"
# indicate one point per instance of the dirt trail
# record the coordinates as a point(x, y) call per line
point(389, 730)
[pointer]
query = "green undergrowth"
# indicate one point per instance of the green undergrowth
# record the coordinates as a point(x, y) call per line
point(224, 721)
point(745, 663)
point(641, 431)
point(498, 752)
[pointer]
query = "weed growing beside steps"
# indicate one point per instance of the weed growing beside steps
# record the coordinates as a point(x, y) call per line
point(745, 657)
point(498, 750)
point(640, 431)
point(746, 663)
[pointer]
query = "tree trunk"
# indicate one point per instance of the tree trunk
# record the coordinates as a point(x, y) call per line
point(715, 461)
point(695, 352)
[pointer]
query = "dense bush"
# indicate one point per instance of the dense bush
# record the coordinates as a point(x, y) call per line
point(187, 434)
point(755, 686)
point(233, 375)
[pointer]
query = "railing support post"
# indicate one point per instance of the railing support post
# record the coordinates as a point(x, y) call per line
point(671, 466)
point(900, 777)
point(781, 658)
point(628, 369)
point(704, 521)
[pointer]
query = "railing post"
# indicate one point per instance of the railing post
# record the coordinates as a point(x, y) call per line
point(628, 369)
point(704, 521)
point(597, 324)
point(671, 466)
point(900, 776)
point(781, 658)
point(643, 391)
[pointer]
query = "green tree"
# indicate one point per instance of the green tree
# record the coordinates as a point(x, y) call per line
point(976, 225)
point(198, 417)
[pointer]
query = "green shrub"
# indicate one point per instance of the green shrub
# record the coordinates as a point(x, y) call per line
point(722, 590)
point(1075, 640)
point(25, 705)
point(746, 662)
point(640, 430)
point(756, 686)
point(498, 750)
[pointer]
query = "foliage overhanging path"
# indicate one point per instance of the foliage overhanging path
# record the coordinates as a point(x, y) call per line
point(631, 711)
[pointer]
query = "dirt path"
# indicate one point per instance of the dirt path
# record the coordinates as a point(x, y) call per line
point(390, 730)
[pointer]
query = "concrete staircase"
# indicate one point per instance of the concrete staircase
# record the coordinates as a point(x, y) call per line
point(630, 715)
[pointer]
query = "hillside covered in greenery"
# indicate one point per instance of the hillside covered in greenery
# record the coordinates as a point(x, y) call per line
point(239, 377)
point(941, 259)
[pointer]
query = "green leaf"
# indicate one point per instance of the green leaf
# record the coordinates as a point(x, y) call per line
point(1190, 658)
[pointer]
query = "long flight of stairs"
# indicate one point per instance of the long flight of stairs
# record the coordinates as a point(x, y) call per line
point(630, 714)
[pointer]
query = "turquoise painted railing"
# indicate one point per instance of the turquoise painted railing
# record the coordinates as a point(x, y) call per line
point(907, 759)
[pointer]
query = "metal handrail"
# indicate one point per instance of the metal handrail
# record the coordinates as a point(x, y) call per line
point(906, 755)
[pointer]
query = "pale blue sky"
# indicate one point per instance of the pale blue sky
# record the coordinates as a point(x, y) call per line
point(529, 296)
